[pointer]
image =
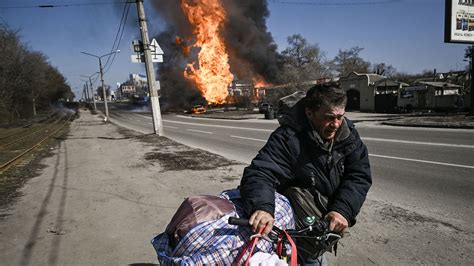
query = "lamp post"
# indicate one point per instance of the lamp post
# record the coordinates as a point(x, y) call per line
point(102, 80)
point(91, 88)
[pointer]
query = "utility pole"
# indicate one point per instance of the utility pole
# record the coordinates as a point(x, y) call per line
point(92, 93)
point(102, 80)
point(91, 88)
point(150, 74)
point(86, 87)
point(103, 90)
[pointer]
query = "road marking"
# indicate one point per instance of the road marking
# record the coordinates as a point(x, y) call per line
point(421, 143)
point(239, 137)
point(422, 161)
point(171, 127)
point(374, 139)
point(219, 126)
point(199, 131)
point(383, 156)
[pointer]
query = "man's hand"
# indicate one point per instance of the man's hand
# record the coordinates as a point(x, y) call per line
point(337, 222)
point(261, 219)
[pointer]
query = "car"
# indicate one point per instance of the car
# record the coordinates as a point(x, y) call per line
point(264, 107)
point(198, 109)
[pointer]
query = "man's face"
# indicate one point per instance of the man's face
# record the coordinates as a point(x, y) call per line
point(327, 120)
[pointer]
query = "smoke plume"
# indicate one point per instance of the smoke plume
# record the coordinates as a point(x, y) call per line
point(251, 49)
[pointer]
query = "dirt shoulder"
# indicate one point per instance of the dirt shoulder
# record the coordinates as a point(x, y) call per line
point(104, 192)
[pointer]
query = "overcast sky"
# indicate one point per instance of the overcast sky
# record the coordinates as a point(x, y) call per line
point(408, 34)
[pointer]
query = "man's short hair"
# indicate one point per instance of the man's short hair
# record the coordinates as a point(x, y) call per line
point(329, 94)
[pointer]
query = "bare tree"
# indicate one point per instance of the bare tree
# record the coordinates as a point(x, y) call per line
point(302, 62)
point(27, 80)
point(347, 61)
point(385, 70)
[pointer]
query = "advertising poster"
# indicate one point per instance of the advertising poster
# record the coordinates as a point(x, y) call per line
point(459, 20)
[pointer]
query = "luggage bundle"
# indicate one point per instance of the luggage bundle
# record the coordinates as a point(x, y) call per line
point(199, 233)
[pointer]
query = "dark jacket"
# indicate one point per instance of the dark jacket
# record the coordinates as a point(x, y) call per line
point(294, 157)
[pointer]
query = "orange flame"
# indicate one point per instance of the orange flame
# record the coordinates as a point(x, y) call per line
point(259, 82)
point(186, 49)
point(211, 73)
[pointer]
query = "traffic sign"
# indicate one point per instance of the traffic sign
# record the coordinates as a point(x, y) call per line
point(155, 51)
point(155, 47)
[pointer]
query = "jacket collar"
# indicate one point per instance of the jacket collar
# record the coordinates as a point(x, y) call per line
point(342, 134)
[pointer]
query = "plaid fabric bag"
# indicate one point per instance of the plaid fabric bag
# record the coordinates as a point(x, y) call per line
point(216, 242)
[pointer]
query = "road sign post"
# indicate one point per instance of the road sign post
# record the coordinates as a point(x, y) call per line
point(143, 52)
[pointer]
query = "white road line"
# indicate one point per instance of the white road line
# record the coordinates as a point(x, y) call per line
point(219, 126)
point(384, 156)
point(421, 143)
point(422, 161)
point(199, 131)
point(171, 127)
point(239, 137)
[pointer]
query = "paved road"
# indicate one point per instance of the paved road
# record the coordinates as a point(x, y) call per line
point(426, 170)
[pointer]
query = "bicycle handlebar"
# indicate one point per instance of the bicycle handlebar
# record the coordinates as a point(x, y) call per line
point(238, 221)
point(318, 232)
point(320, 227)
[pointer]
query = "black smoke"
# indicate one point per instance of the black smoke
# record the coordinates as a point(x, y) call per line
point(251, 47)
point(176, 91)
point(247, 36)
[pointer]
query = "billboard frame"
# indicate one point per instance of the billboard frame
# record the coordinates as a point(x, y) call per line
point(449, 17)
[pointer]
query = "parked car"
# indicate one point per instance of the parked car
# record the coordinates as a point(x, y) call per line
point(198, 109)
point(264, 107)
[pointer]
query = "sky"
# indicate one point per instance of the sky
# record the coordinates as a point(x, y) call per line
point(407, 34)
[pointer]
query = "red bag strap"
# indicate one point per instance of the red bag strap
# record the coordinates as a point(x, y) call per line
point(252, 242)
point(294, 254)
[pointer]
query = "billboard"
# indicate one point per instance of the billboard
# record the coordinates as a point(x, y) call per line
point(459, 21)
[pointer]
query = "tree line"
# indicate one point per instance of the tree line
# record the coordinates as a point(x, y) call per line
point(302, 61)
point(28, 82)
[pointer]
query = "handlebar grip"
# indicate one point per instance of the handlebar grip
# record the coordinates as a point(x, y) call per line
point(324, 224)
point(238, 221)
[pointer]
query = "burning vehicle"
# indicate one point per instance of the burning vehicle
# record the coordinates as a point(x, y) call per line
point(198, 109)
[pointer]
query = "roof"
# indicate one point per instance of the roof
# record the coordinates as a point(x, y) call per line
point(390, 82)
point(371, 78)
point(440, 84)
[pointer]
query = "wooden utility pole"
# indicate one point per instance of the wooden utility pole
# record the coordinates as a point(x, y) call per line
point(150, 74)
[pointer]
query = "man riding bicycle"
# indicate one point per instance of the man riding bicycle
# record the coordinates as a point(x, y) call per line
point(315, 147)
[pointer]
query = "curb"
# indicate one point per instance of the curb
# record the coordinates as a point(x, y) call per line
point(400, 124)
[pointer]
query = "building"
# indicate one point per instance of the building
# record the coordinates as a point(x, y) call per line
point(386, 95)
point(138, 80)
point(433, 95)
point(360, 90)
point(136, 87)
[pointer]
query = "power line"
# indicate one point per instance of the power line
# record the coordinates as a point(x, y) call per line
point(64, 5)
point(336, 4)
point(116, 44)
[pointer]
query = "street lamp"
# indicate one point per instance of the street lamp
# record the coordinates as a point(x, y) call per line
point(102, 79)
point(92, 90)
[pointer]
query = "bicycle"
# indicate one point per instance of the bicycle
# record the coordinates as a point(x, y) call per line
point(315, 230)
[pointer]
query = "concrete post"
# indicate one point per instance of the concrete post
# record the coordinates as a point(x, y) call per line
point(150, 74)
